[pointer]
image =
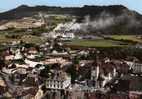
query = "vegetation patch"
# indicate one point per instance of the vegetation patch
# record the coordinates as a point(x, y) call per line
point(96, 43)
point(24, 38)
point(133, 38)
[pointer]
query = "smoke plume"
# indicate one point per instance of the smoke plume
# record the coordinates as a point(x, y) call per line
point(102, 21)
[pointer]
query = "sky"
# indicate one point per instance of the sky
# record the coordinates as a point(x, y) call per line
point(6, 5)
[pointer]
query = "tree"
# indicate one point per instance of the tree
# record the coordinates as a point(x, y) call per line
point(45, 72)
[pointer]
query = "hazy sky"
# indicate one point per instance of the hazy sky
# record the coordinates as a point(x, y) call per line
point(131, 4)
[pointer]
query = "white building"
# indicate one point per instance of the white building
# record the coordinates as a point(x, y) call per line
point(95, 73)
point(58, 83)
point(18, 55)
point(9, 57)
point(32, 63)
point(136, 67)
point(65, 36)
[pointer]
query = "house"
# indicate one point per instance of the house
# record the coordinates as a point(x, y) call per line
point(39, 93)
point(32, 63)
point(18, 55)
point(3, 86)
point(18, 75)
point(32, 50)
point(129, 83)
point(9, 57)
point(135, 95)
point(58, 60)
point(30, 80)
point(64, 35)
point(135, 67)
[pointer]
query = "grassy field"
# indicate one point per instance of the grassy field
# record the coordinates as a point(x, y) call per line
point(115, 41)
point(32, 39)
point(24, 38)
point(128, 37)
point(96, 43)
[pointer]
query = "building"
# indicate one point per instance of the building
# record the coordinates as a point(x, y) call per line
point(59, 81)
point(135, 67)
point(135, 95)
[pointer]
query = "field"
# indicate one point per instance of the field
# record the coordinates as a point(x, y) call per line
point(112, 41)
point(128, 37)
point(24, 38)
point(97, 43)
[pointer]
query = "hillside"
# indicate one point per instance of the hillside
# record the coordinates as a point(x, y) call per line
point(114, 19)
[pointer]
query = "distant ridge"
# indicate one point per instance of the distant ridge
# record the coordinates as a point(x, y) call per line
point(24, 10)
point(124, 20)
